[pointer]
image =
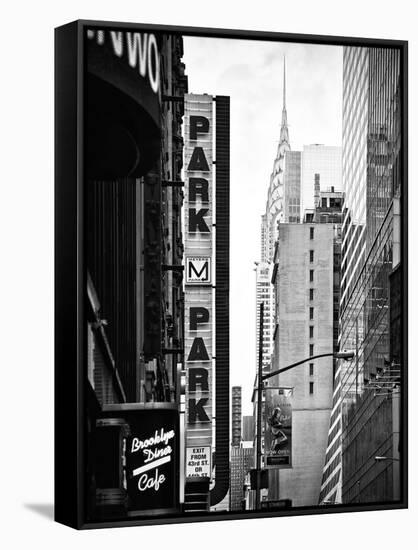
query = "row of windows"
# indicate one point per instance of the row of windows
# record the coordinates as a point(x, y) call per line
point(311, 311)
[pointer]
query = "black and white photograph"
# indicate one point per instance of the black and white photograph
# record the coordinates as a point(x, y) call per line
point(242, 339)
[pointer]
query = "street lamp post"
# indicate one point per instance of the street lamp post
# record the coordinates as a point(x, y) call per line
point(346, 355)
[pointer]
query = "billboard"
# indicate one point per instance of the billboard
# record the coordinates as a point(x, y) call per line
point(199, 310)
point(278, 428)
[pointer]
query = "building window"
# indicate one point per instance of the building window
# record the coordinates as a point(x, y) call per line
point(311, 313)
point(310, 369)
point(311, 233)
point(311, 294)
point(311, 275)
point(311, 255)
point(311, 332)
point(311, 388)
point(311, 351)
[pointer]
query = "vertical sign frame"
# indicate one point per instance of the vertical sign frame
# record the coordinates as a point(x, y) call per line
point(199, 245)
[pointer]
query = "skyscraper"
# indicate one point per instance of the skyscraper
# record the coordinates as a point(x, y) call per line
point(324, 160)
point(354, 174)
point(242, 457)
point(292, 184)
point(236, 416)
point(265, 294)
point(242, 460)
point(305, 286)
point(274, 207)
point(370, 253)
point(269, 232)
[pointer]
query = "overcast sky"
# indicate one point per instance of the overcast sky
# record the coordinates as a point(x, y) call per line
point(251, 73)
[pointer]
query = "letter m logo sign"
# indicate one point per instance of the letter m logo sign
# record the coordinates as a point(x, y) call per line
point(198, 270)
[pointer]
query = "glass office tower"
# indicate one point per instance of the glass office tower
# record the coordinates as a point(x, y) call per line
point(370, 254)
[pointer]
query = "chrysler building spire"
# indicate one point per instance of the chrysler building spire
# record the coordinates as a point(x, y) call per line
point(284, 83)
point(284, 131)
point(274, 207)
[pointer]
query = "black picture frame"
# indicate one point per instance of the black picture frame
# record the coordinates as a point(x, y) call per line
point(71, 275)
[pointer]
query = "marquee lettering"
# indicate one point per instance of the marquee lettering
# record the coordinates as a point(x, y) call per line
point(196, 410)
point(198, 161)
point(198, 187)
point(198, 377)
point(198, 315)
point(198, 124)
point(198, 351)
point(199, 246)
point(196, 220)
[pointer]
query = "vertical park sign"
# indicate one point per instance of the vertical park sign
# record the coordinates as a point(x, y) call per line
point(199, 310)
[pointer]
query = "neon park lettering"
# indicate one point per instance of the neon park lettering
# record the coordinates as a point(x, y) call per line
point(198, 376)
point(198, 351)
point(145, 482)
point(199, 251)
point(197, 412)
point(198, 186)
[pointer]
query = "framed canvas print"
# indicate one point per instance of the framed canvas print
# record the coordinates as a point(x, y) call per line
point(231, 274)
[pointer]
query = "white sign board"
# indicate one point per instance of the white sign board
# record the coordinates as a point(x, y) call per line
point(198, 270)
point(198, 292)
point(198, 461)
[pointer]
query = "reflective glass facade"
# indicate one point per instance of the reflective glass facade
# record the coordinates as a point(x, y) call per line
point(371, 180)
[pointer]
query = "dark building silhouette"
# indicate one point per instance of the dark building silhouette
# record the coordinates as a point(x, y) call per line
point(134, 250)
